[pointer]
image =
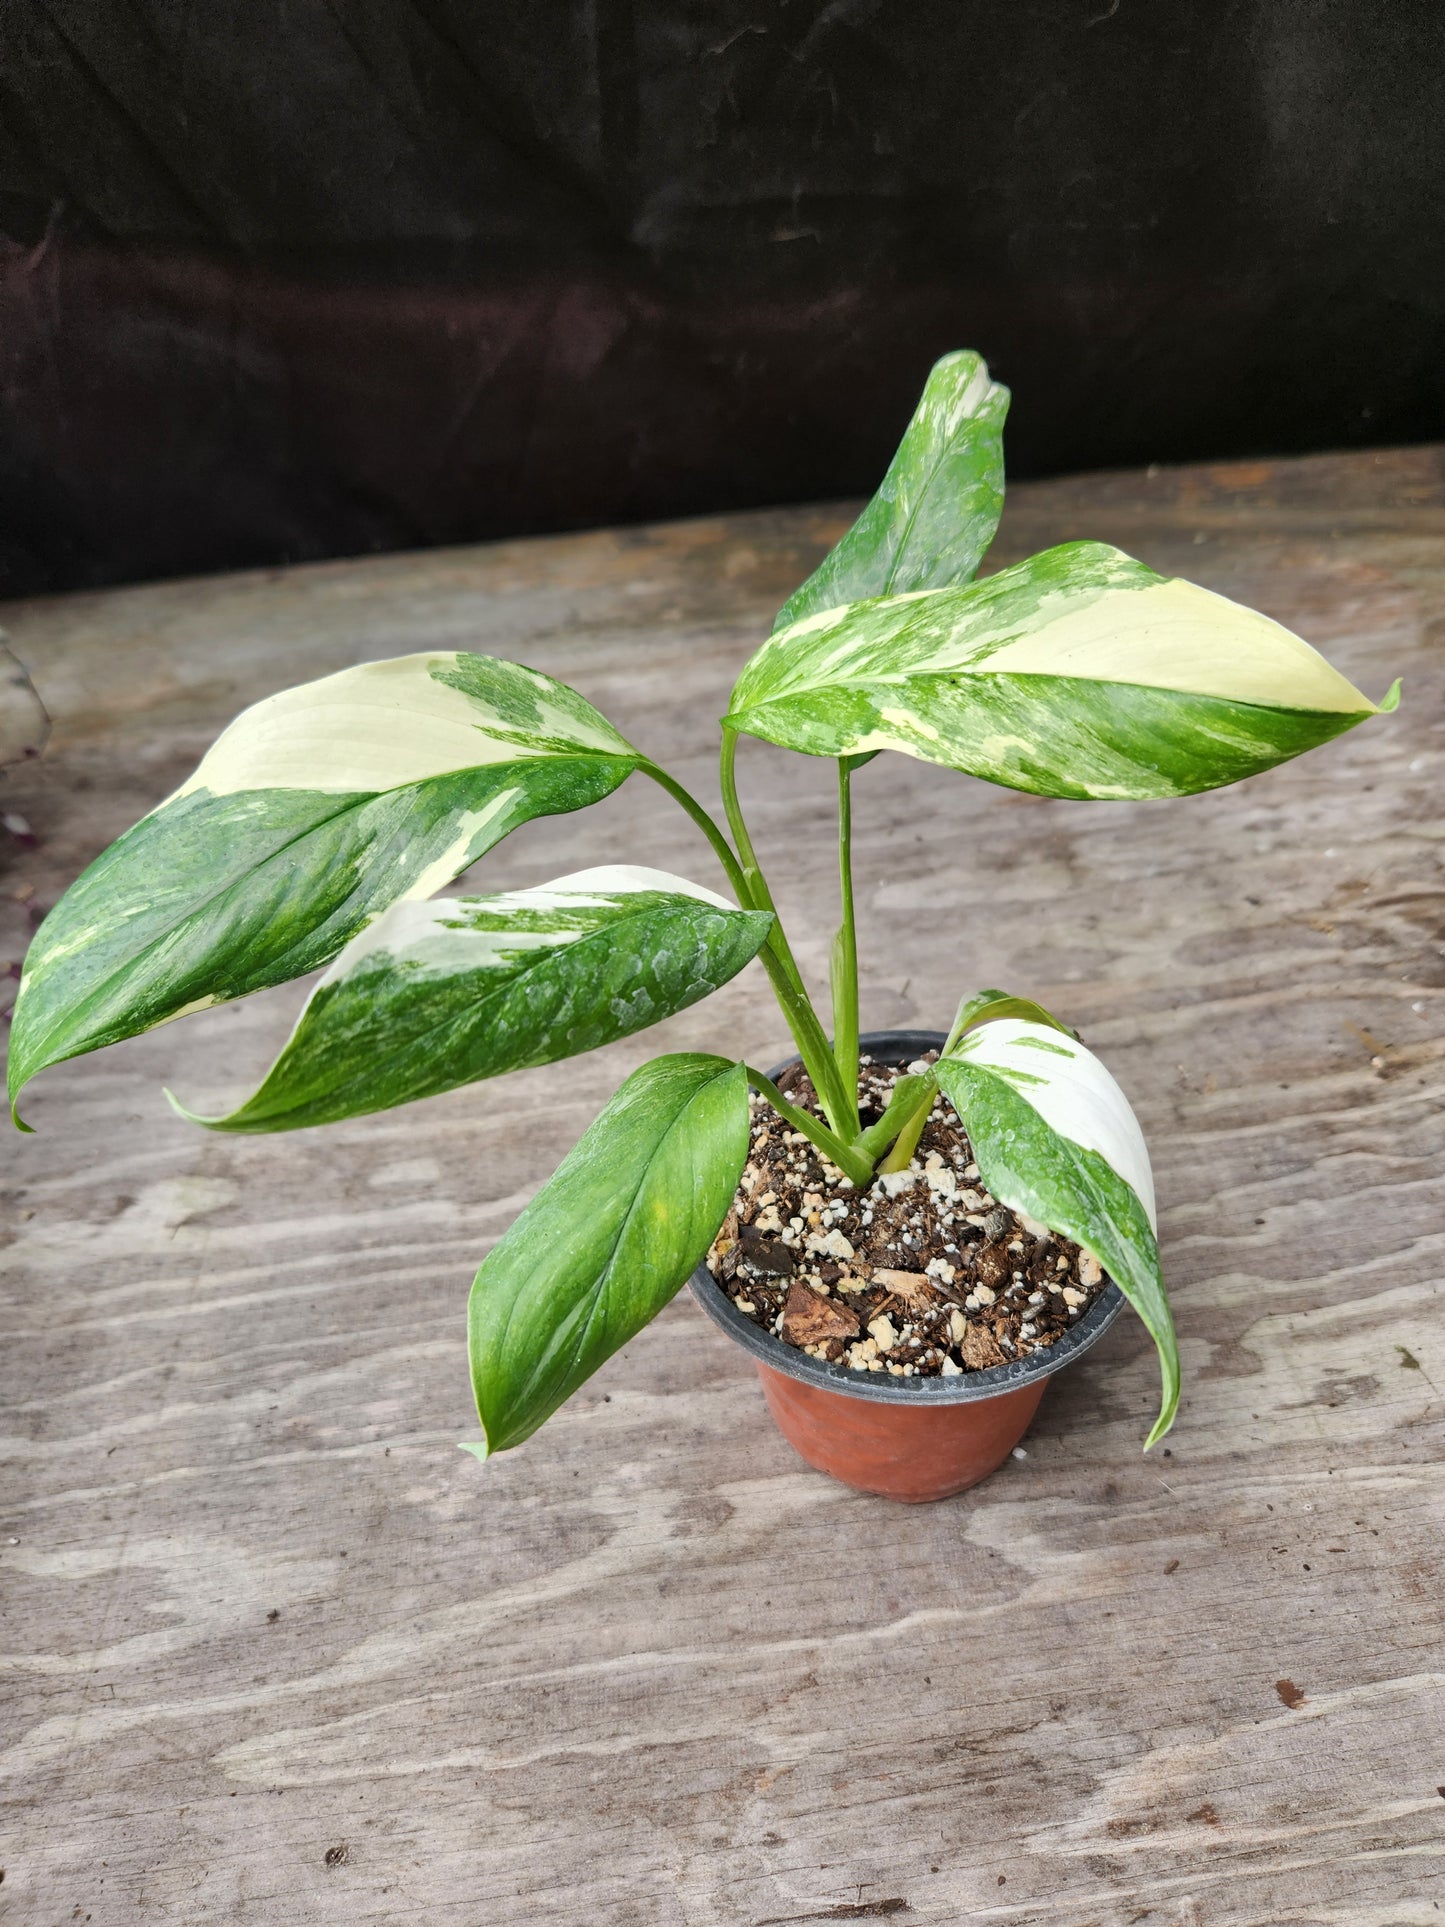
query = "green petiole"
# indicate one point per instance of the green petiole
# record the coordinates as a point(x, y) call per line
point(844, 975)
point(777, 959)
point(848, 1160)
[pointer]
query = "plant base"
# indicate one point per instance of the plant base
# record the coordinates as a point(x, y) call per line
point(914, 1439)
point(915, 1454)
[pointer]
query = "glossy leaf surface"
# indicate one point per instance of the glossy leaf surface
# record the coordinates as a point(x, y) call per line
point(312, 812)
point(1054, 1136)
point(988, 1006)
point(627, 1216)
point(1079, 673)
point(435, 995)
point(938, 506)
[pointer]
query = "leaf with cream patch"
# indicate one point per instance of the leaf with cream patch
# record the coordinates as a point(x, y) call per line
point(938, 506)
point(1079, 673)
point(604, 1245)
point(314, 811)
point(1055, 1137)
point(440, 994)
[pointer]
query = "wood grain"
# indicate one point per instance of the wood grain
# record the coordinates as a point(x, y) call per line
point(278, 1653)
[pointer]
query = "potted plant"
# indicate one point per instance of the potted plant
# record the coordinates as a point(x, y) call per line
point(908, 1232)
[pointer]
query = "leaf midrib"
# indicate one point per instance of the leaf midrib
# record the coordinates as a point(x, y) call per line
point(603, 1279)
point(943, 453)
point(897, 679)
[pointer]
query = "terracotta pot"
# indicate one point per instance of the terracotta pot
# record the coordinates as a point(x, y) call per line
point(913, 1439)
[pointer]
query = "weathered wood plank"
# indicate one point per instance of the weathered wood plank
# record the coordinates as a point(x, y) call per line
point(649, 1670)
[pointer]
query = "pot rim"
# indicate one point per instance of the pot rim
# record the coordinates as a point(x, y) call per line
point(900, 1047)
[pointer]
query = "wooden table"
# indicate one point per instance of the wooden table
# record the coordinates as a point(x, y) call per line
point(280, 1653)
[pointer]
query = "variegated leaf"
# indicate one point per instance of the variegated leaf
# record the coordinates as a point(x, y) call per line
point(435, 995)
point(937, 507)
point(315, 810)
point(627, 1216)
point(1079, 673)
point(1055, 1137)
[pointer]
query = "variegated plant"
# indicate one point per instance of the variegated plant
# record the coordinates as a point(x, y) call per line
point(318, 826)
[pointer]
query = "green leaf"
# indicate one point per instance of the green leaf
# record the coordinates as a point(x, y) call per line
point(1054, 1137)
point(440, 994)
point(1079, 673)
point(313, 812)
point(628, 1215)
point(937, 508)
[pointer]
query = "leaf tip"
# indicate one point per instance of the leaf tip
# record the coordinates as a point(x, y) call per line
point(1163, 1424)
point(192, 1117)
point(1390, 701)
point(478, 1448)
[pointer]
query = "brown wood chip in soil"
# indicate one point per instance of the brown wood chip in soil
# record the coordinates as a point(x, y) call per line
point(918, 1275)
point(811, 1319)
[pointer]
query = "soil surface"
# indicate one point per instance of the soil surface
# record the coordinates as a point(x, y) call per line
point(921, 1274)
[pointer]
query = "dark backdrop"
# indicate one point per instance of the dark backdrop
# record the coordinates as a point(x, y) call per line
point(290, 278)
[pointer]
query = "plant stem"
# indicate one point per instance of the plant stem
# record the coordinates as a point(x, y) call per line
point(907, 1094)
point(787, 985)
point(721, 847)
point(762, 896)
point(845, 954)
point(906, 1142)
point(851, 1163)
point(777, 960)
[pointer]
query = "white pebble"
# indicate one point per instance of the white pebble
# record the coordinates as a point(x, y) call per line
point(832, 1244)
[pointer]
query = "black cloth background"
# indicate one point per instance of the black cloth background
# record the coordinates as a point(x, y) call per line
point(283, 279)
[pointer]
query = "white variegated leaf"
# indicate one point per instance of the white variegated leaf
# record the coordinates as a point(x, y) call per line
point(435, 995)
point(313, 812)
point(1055, 1137)
point(1079, 673)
